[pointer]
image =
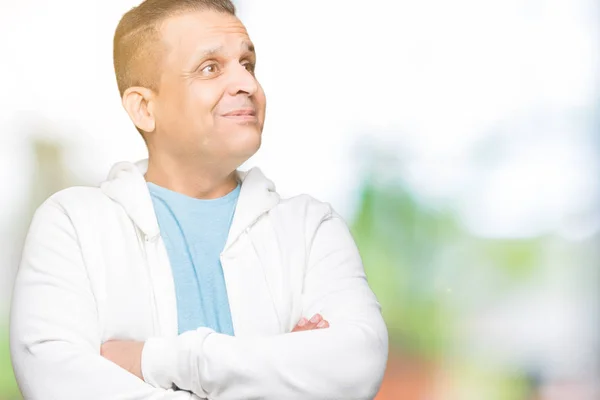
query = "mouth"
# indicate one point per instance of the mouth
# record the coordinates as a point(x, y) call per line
point(242, 115)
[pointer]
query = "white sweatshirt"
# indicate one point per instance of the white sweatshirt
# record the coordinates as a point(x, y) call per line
point(95, 268)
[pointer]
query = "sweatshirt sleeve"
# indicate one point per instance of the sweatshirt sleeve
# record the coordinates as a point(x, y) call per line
point(345, 361)
point(54, 332)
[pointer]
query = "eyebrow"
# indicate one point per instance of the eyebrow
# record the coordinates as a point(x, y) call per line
point(246, 46)
point(205, 53)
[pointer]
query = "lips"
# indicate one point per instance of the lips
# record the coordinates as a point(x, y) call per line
point(242, 112)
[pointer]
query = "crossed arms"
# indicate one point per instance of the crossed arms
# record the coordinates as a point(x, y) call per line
point(56, 345)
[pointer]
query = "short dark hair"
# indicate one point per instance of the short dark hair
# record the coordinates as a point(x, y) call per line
point(137, 58)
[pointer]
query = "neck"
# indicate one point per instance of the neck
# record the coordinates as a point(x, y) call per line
point(191, 179)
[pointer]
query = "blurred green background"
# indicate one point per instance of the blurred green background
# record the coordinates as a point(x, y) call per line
point(459, 140)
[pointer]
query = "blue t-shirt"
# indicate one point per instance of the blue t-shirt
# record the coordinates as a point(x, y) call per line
point(195, 232)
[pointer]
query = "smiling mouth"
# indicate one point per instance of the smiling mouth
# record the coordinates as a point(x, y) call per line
point(242, 116)
point(241, 113)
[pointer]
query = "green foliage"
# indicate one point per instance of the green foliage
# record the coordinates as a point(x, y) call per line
point(399, 242)
point(514, 257)
point(8, 385)
point(413, 254)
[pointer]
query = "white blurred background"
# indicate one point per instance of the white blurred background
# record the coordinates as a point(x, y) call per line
point(475, 123)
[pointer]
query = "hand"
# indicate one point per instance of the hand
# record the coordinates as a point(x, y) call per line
point(127, 354)
point(316, 322)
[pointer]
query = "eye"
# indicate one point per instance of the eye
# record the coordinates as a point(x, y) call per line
point(250, 66)
point(210, 69)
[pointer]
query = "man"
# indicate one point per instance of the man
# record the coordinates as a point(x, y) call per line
point(181, 277)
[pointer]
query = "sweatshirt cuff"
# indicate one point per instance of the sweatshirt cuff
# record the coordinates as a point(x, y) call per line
point(166, 361)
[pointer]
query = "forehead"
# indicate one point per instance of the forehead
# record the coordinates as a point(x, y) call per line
point(190, 32)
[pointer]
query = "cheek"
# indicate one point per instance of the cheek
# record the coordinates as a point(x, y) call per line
point(260, 100)
point(203, 99)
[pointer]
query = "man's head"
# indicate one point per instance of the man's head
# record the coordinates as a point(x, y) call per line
point(185, 71)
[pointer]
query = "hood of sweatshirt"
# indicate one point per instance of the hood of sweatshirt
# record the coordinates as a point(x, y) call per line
point(127, 186)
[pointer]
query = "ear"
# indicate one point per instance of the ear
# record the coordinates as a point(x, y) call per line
point(139, 104)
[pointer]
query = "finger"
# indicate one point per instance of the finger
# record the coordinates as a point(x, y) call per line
point(301, 325)
point(323, 324)
point(316, 322)
point(307, 325)
point(320, 325)
point(312, 323)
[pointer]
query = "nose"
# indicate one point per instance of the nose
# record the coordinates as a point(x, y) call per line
point(242, 82)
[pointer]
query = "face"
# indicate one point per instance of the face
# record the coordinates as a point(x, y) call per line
point(209, 103)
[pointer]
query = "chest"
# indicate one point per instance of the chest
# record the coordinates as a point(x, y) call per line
point(132, 278)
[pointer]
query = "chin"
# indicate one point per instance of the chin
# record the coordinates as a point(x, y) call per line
point(247, 141)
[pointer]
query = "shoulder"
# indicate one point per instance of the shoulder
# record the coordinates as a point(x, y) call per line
point(61, 213)
point(75, 203)
point(76, 198)
point(306, 211)
point(304, 205)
